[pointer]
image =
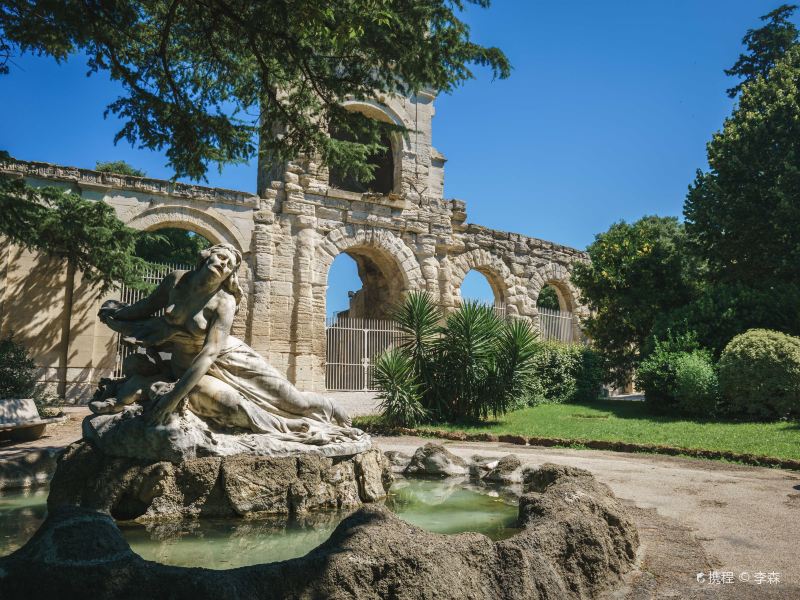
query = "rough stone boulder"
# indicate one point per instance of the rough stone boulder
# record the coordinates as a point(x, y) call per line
point(228, 486)
point(435, 460)
point(398, 460)
point(506, 470)
point(576, 541)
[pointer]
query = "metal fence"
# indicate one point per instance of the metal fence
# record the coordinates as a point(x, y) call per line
point(152, 275)
point(352, 345)
point(555, 325)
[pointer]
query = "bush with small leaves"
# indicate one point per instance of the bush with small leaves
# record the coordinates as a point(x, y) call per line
point(759, 374)
point(696, 384)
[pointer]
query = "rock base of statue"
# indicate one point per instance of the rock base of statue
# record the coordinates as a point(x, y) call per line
point(239, 485)
point(129, 435)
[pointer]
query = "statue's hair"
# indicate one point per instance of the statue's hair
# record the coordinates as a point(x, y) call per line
point(231, 284)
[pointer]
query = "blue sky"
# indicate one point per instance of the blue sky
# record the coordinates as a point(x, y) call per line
point(605, 116)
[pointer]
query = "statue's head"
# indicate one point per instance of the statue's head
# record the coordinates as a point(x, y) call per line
point(223, 261)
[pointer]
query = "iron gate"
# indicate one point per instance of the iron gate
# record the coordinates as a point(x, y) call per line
point(351, 346)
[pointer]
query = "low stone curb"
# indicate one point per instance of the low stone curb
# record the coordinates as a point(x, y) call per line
point(521, 440)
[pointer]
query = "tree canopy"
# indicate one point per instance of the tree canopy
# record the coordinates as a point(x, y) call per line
point(743, 215)
point(638, 271)
point(119, 167)
point(203, 79)
point(170, 246)
point(87, 234)
point(765, 46)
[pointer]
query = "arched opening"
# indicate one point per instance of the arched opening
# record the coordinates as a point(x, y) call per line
point(548, 298)
point(170, 246)
point(478, 287)
point(383, 161)
point(364, 286)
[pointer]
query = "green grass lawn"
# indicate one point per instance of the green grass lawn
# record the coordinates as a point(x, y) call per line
point(625, 421)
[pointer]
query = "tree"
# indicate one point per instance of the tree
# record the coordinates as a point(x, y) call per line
point(203, 77)
point(120, 167)
point(170, 246)
point(743, 215)
point(766, 46)
point(637, 272)
point(87, 235)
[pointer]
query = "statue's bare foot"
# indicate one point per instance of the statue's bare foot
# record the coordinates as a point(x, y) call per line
point(297, 425)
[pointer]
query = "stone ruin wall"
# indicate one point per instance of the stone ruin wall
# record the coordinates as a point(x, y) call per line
point(289, 234)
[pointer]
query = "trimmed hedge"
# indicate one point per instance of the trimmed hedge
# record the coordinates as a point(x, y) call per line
point(565, 373)
point(759, 374)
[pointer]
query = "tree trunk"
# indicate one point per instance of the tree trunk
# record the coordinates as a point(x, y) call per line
point(66, 330)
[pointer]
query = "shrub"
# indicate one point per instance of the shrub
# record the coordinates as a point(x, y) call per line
point(696, 384)
point(399, 393)
point(759, 374)
point(17, 370)
point(657, 374)
point(565, 373)
point(475, 365)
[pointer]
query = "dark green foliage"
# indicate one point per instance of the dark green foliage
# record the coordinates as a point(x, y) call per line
point(203, 79)
point(17, 370)
point(475, 365)
point(759, 374)
point(657, 374)
point(120, 167)
point(637, 272)
point(399, 392)
point(565, 373)
point(85, 233)
point(765, 46)
point(696, 384)
point(548, 298)
point(723, 310)
point(170, 246)
point(465, 359)
point(743, 215)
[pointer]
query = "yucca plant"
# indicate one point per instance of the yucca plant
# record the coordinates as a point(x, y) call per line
point(399, 391)
point(466, 355)
point(515, 370)
point(474, 365)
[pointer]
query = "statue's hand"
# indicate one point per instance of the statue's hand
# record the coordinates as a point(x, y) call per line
point(109, 309)
point(164, 402)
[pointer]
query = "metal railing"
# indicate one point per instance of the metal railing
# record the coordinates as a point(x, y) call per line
point(556, 325)
point(352, 344)
point(153, 275)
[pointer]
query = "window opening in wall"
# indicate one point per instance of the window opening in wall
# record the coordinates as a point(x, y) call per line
point(383, 161)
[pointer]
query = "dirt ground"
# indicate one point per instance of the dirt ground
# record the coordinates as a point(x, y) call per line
point(693, 515)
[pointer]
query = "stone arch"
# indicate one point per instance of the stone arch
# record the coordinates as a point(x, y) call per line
point(558, 277)
point(384, 244)
point(208, 223)
point(496, 271)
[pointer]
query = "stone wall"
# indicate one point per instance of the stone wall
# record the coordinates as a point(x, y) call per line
point(289, 234)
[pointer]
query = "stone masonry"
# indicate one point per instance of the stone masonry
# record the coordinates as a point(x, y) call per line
point(290, 233)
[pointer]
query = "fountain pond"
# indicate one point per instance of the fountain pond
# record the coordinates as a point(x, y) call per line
point(442, 506)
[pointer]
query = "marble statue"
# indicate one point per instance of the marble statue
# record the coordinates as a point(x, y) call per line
point(212, 381)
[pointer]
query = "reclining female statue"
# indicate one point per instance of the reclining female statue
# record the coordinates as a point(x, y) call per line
point(216, 376)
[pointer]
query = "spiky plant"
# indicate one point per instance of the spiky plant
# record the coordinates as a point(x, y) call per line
point(515, 369)
point(399, 391)
point(466, 355)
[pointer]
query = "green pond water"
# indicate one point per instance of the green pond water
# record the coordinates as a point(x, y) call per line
point(440, 506)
